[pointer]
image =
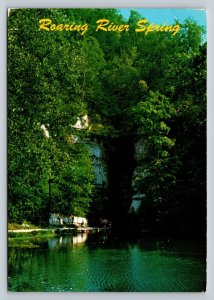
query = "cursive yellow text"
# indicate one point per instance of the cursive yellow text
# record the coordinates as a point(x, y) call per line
point(152, 27)
point(46, 24)
point(103, 24)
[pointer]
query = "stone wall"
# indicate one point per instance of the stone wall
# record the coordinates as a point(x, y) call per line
point(58, 219)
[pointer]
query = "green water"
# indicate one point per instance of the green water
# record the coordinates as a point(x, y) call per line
point(102, 263)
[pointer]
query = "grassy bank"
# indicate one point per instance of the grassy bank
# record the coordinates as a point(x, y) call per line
point(24, 225)
point(29, 239)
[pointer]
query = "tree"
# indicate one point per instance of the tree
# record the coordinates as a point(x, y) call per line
point(45, 91)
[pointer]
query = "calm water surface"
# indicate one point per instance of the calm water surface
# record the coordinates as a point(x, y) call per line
point(101, 263)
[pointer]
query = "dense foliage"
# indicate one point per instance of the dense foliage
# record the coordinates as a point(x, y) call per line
point(134, 88)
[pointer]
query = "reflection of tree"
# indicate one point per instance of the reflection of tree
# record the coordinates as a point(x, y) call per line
point(67, 240)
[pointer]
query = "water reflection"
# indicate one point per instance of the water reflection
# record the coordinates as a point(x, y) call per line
point(67, 240)
point(104, 263)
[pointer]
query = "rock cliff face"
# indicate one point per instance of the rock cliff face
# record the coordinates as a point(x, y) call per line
point(100, 193)
point(137, 196)
point(119, 174)
point(100, 168)
point(97, 152)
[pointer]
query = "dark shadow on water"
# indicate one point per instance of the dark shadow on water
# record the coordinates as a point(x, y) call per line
point(108, 262)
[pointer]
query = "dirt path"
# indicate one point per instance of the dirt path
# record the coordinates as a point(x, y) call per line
point(54, 229)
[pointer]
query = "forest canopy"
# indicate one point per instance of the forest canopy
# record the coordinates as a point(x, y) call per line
point(134, 88)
